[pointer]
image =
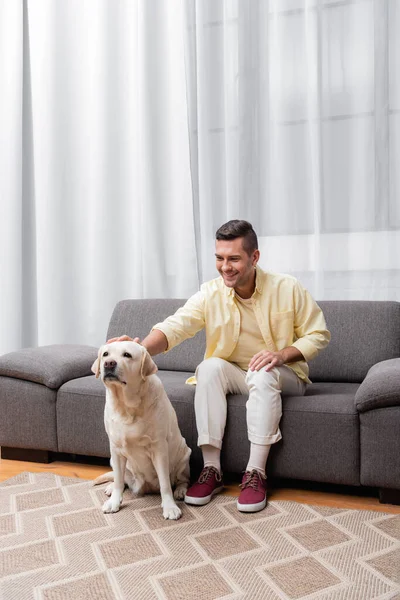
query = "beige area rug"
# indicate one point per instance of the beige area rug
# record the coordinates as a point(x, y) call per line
point(56, 544)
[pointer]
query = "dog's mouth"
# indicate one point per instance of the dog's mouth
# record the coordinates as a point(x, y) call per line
point(113, 377)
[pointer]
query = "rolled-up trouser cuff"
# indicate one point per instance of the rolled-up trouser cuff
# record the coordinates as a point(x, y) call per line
point(264, 440)
point(206, 439)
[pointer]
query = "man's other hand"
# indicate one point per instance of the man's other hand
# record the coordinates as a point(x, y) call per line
point(266, 359)
point(124, 338)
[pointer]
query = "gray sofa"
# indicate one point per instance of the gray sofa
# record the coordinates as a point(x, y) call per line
point(345, 430)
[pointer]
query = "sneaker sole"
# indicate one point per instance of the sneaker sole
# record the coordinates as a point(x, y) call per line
point(201, 501)
point(252, 507)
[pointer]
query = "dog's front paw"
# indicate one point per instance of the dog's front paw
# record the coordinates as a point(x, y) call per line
point(172, 512)
point(180, 491)
point(112, 505)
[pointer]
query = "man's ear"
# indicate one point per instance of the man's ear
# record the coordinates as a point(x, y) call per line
point(148, 366)
point(96, 364)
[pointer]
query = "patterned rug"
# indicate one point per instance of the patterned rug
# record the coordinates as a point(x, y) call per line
point(56, 544)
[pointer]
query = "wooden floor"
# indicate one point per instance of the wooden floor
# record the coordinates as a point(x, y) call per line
point(295, 491)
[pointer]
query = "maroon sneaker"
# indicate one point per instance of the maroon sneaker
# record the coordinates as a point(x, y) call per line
point(253, 496)
point(208, 484)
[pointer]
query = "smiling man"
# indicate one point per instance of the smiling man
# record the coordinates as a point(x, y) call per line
point(262, 328)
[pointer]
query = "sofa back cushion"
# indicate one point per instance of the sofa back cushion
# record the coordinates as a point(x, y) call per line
point(363, 333)
point(136, 318)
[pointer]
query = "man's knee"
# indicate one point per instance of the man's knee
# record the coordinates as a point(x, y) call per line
point(263, 379)
point(210, 368)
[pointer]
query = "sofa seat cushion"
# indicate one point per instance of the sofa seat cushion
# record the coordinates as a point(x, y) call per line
point(325, 397)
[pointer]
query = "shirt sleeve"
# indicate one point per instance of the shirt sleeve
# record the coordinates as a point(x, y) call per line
point(309, 324)
point(185, 323)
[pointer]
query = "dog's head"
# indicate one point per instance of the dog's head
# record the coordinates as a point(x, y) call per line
point(123, 363)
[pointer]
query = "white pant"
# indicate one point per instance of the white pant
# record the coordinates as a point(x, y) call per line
point(217, 377)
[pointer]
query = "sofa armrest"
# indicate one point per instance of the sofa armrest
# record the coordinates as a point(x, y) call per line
point(49, 365)
point(381, 386)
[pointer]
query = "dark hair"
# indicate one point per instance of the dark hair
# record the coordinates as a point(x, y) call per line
point(239, 229)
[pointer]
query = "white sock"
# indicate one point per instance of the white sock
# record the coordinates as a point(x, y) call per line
point(211, 457)
point(258, 458)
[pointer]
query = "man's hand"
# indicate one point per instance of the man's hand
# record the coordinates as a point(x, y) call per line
point(269, 360)
point(266, 359)
point(124, 338)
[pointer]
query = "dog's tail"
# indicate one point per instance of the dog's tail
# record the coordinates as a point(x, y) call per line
point(105, 478)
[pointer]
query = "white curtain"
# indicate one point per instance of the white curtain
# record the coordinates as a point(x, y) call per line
point(96, 193)
point(131, 129)
point(295, 125)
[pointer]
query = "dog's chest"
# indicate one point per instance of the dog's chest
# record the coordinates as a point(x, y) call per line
point(124, 434)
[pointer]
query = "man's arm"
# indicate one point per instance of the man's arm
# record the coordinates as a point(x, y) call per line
point(185, 323)
point(155, 343)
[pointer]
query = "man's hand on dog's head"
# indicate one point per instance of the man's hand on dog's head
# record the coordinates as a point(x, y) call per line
point(124, 338)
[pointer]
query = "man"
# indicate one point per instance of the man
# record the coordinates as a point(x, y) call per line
point(261, 330)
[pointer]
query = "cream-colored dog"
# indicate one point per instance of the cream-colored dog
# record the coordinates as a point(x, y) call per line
point(148, 452)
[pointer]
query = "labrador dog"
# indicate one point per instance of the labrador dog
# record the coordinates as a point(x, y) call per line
point(148, 452)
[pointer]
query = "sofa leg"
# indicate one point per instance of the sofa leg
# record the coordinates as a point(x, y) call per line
point(25, 454)
point(389, 496)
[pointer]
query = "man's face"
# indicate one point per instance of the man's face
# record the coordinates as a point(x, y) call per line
point(234, 264)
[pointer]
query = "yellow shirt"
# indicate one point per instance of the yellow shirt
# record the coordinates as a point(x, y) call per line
point(286, 314)
point(250, 339)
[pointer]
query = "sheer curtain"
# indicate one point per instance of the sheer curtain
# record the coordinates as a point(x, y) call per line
point(295, 125)
point(96, 193)
point(131, 129)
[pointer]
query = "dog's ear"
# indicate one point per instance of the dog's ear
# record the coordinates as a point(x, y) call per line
point(96, 364)
point(148, 366)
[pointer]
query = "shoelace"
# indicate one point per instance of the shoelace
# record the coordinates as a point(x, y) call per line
point(207, 473)
point(252, 480)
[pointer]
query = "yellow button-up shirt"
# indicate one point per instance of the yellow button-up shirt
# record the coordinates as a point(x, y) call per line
point(286, 314)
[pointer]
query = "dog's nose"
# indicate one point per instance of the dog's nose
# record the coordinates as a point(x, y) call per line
point(110, 364)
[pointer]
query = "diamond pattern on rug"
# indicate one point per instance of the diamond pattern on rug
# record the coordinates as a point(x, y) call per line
point(7, 524)
point(28, 501)
point(220, 544)
point(94, 587)
point(131, 549)
point(19, 479)
point(391, 526)
point(71, 550)
point(202, 583)
point(28, 558)
point(388, 564)
point(301, 577)
point(318, 535)
point(75, 522)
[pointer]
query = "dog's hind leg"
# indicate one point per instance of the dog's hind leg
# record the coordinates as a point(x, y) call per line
point(105, 478)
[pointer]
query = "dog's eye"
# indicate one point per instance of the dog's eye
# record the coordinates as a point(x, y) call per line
point(105, 353)
point(127, 355)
